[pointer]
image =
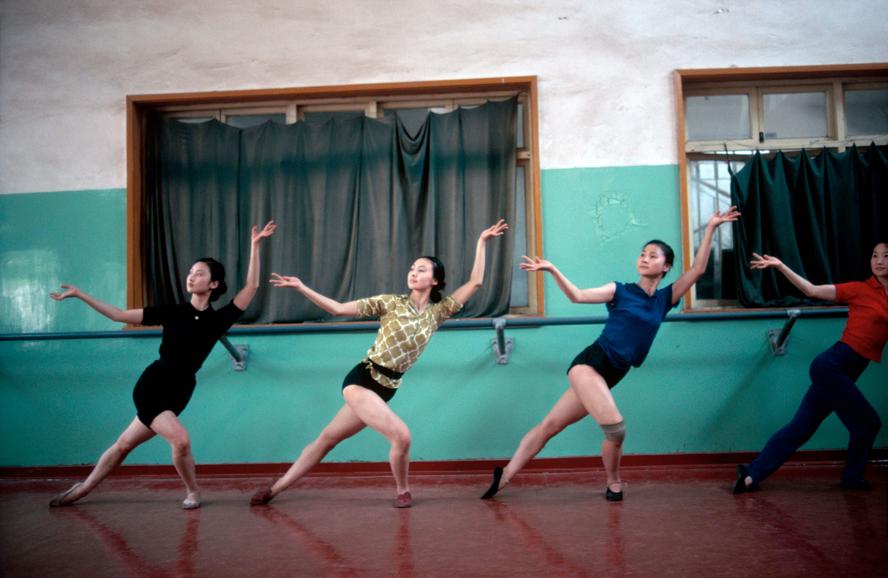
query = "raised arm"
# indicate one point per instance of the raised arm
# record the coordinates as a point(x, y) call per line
point(701, 259)
point(251, 285)
point(465, 292)
point(131, 316)
point(329, 305)
point(823, 292)
point(601, 294)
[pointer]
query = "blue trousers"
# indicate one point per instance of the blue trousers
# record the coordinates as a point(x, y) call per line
point(833, 389)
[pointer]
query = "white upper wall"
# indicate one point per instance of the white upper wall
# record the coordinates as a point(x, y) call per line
point(604, 67)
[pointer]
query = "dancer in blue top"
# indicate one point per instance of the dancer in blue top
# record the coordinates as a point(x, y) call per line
point(635, 311)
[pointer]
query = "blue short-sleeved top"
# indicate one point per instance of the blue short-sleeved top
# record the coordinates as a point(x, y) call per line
point(633, 320)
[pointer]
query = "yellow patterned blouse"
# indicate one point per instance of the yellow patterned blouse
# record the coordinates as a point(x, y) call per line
point(403, 331)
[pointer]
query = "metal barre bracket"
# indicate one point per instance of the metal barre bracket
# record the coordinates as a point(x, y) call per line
point(777, 338)
point(501, 346)
point(238, 353)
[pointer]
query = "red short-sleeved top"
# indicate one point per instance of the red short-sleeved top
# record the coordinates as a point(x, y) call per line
point(867, 329)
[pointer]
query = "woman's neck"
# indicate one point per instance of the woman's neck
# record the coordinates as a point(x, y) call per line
point(884, 281)
point(420, 299)
point(200, 301)
point(649, 284)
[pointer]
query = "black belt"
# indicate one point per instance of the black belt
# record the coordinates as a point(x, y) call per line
point(390, 373)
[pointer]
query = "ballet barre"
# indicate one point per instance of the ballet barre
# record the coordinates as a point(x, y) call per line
point(501, 346)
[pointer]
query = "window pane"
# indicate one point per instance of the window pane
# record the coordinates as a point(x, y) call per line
point(249, 120)
point(519, 297)
point(323, 116)
point(795, 115)
point(519, 126)
point(866, 112)
point(194, 119)
point(710, 191)
point(717, 117)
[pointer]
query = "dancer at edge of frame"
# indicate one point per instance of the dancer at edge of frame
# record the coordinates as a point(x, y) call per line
point(406, 323)
point(834, 374)
point(635, 311)
point(190, 330)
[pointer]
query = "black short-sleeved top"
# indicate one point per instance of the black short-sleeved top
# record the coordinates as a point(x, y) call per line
point(188, 334)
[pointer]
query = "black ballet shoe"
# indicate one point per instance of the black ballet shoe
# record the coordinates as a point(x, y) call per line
point(494, 487)
point(740, 483)
point(261, 497)
point(861, 485)
point(612, 496)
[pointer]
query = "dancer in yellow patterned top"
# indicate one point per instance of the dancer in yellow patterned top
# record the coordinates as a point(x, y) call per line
point(407, 322)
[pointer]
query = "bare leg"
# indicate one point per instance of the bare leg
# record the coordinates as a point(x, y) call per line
point(343, 425)
point(168, 426)
point(566, 411)
point(134, 435)
point(593, 393)
point(374, 412)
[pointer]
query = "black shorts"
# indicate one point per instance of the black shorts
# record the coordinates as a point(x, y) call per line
point(161, 388)
point(360, 375)
point(595, 357)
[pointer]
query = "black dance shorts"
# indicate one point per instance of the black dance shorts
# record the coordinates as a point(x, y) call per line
point(360, 375)
point(595, 357)
point(161, 388)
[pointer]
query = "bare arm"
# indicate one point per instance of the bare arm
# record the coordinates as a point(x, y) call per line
point(603, 294)
point(701, 259)
point(245, 296)
point(131, 316)
point(466, 291)
point(823, 292)
point(329, 305)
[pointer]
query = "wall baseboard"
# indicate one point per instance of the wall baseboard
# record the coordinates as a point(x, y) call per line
point(448, 467)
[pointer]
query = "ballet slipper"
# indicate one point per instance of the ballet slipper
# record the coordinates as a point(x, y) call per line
point(495, 485)
point(261, 497)
point(191, 502)
point(62, 499)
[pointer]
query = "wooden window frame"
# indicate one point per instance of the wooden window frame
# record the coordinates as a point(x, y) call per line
point(734, 81)
point(330, 98)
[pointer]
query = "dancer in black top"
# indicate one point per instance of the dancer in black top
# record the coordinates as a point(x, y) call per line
point(190, 330)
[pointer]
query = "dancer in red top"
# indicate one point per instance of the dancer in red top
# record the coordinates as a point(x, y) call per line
point(833, 375)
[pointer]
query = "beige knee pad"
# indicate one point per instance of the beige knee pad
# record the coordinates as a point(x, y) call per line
point(614, 432)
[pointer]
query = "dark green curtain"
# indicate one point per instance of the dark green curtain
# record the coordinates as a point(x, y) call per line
point(821, 215)
point(356, 202)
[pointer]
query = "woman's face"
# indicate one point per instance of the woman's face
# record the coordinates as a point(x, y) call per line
point(198, 280)
point(421, 275)
point(879, 260)
point(652, 262)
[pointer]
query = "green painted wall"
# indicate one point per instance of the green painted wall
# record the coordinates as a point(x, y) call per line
point(706, 386)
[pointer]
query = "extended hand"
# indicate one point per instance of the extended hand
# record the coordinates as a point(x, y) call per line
point(717, 218)
point(267, 231)
point(535, 264)
point(70, 291)
point(494, 230)
point(285, 281)
point(764, 261)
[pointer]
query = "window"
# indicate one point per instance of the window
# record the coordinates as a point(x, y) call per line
point(410, 102)
point(724, 115)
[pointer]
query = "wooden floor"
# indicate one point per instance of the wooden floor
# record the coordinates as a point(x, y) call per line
point(675, 521)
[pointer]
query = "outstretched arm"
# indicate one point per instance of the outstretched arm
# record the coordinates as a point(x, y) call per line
point(329, 305)
point(824, 292)
point(689, 277)
point(131, 316)
point(601, 294)
point(465, 292)
point(245, 296)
